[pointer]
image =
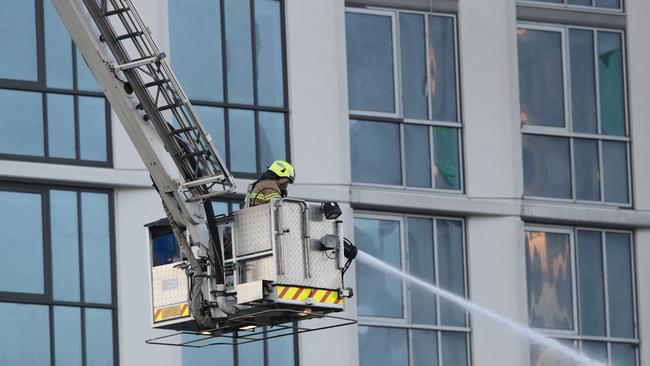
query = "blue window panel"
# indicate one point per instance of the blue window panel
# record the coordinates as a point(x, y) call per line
point(446, 158)
point(96, 248)
point(611, 83)
point(379, 294)
point(272, 143)
point(67, 335)
point(442, 69)
point(422, 266)
point(624, 354)
point(281, 351)
point(58, 50)
point(24, 334)
point(239, 51)
point(591, 291)
point(597, 351)
point(251, 354)
point(583, 81)
point(21, 125)
point(414, 68)
point(65, 245)
point(21, 262)
point(242, 141)
point(207, 355)
point(587, 169)
point(99, 337)
point(375, 150)
point(61, 126)
point(92, 129)
point(615, 172)
point(85, 79)
point(213, 120)
point(268, 46)
point(425, 347)
point(165, 250)
point(380, 346)
point(619, 285)
point(18, 59)
point(454, 349)
point(547, 166)
point(370, 62)
point(418, 156)
point(195, 37)
point(611, 4)
point(451, 264)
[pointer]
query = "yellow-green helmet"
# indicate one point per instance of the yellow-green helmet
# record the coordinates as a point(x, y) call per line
point(283, 170)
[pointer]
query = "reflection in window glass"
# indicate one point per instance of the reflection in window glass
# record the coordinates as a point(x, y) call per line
point(213, 121)
point(22, 238)
point(451, 269)
point(21, 129)
point(587, 169)
point(624, 354)
point(239, 54)
point(422, 266)
point(550, 299)
point(615, 172)
point(85, 79)
point(583, 81)
point(242, 138)
point(268, 45)
point(446, 155)
point(541, 90)
point(547, 168)
point(25, 337)
point(195, 37)
point(370, 62)
point(92, 129)
point(99, 338)
point(272, 143)
point(454, 349)
point(96, 248)
point(375, 150)
point(425, 347)
point(18, 41)
point(383, 346)
point(619, 285)
point(414, 72)
point(591, 292)
point(610, 76)
point(442, 66)
point(65, 245)
point(67, 335)
point(379, 294)
point(58, 48)
point(61, 126)
point(418, 156)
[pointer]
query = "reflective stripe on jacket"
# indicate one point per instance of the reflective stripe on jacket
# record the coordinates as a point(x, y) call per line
point(262, 192)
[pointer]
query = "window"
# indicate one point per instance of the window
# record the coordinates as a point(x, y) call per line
point(573, 114)
point(280, 351)
point(229, 56)
point(398, 323)
point(53, 109)
point(403, 98)
point(608, 5)
point(581, 289)
point(57, 297)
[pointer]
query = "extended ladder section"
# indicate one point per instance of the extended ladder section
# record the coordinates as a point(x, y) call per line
point(137, 62)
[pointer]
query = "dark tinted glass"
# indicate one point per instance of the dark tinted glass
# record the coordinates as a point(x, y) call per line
point(454, 349)
point(591, 283)
point(615, 172)
point(375, 150)
point(422, 266)
point(418, 156)
point(587, 169)
point(451, 265)
point(619, 285)
point(446, 157)
point(413, 65)
point(610, 76)
point(583, 81)
point(547, 167)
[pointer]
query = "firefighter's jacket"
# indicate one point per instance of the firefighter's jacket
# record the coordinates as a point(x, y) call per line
point(262, 192)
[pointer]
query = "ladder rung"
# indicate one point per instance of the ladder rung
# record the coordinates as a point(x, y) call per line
point(116, 11)
point(214, 179)
point(178, 131)
point(156, 83)
point(171, 106)
point(194, 154)
point(128, 35)
point(136, 63)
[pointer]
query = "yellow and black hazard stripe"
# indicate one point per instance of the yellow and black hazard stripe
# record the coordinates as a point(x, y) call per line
point(317, 295)
point(170, 312)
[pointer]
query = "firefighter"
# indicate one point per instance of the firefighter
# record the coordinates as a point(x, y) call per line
point(272, 184)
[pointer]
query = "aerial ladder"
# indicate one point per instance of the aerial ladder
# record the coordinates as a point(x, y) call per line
point(266, 266)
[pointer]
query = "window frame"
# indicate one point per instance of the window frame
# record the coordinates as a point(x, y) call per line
point(47, 298)
point(578, 8)
point(567, 131)
point(575, 335)
point(405, 322)
point(398, 116)
point(40, 86)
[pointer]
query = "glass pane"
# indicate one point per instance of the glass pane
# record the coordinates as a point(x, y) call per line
point(375, 150)
point(239, 53)
point(213, 121)
point(414, 68)
point(195, 40)
point(18, 59)
point(65, 245)
point(22, 238)
point(446, 156)
point(85, 79)
point(268, 47)
point(272, 143)
point(548, 264)
point(379, 294)
point(610, 73)
point(591, 283)
point(220, 208)
point(580, 2)
point(615, 172)
point(583, 81)
point(587, 169)
point(454, 349)
point(597, 351)
point(619, 285)
point(164, 250)
point(58, 50)
point(541, 91)
point(421, 257)
point(280, 351)
point(21, 126)
point(425, 348)
point(25, 334)
point(96, 248)
point(251, 354)
point(418, 156)
point(547, 167)
point(242, 140)
point(67, 335)
point(383, 346)
point(543, 356)
point(206, 355)
point(442, 68)
point(550, 1)
point(370, 62)
point(60, 126)
point(624, 354)
point(92, 129)
point(612, 4)
point(99, 337)
point(451, 265)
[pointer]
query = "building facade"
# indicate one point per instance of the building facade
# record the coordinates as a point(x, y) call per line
point(493, 148)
